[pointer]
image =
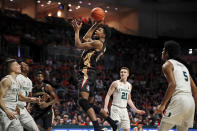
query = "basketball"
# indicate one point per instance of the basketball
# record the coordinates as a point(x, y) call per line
point(97, 14)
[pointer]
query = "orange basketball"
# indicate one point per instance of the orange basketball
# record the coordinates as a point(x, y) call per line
point(97, 14)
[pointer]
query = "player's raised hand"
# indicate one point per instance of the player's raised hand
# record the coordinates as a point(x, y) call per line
point(141, 112)
point(76, 25)
point(159, 110)
point(11, 115)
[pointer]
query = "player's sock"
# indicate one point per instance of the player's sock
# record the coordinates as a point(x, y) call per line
point(114, 124)
point(110, 121)
point(96, 125)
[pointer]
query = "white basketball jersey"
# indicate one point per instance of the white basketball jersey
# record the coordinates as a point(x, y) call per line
point(182, 78)
point(25, 87)
point(120, 95)
point(11, 97)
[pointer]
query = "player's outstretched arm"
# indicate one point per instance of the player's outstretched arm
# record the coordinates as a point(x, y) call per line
point(86, 45)
point(29, 104)
point(131, 104)
point(52, 95)
point(4, 86)
point(109, 93)
point(194, 90)
point(167, 69)
point(28, 99)
point(88, 35)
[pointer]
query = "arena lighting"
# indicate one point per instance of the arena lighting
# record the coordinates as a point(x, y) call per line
point(11, 0)
point(19, 51)
point(38, 1)
point(42, 5)
point(59, 13)
point(80, 2)
point(107, 7)
point(49, 2)
point(49, 14)
point(106, 11)
point(70, 10)
point(77, 7)
point(116, 8)
point(59, 3)
point(190, 51)
point(61, 7)
point(69, 5)
point(89, 3)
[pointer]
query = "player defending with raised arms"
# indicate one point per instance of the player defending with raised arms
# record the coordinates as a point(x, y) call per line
point(121, 91)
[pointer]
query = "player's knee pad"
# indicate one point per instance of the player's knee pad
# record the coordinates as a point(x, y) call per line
point(84, 104)
point(96, 109)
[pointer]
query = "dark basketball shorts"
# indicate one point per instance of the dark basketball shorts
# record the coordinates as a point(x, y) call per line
point(87, 81)
point(45, 119)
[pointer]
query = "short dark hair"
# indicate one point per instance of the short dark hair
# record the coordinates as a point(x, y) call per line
point(39, 72)
point(126, 68)
point(20, 61)
point(173, 49)
point(107, 31)
point(7, 65)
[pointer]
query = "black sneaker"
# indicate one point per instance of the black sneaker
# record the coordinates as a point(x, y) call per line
point(117, 126)
point(100, 129)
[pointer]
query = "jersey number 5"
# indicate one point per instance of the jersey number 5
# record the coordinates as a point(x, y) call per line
point(124, 96)
point(185, 75)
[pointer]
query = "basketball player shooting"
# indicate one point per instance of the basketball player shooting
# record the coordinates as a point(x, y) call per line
point(93, 49)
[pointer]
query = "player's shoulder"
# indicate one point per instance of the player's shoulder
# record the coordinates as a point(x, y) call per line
point(168, 64)
point(29, 79)
point(48, 86)
point(98, 42)
point(20, 76)
point(115, 83)
point(6, 81)
point(129, 84)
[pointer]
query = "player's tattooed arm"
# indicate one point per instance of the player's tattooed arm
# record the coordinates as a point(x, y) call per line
point(4, 86)
point(194, 90)
point(88, 35)
point(52, 95)
point(109, 93)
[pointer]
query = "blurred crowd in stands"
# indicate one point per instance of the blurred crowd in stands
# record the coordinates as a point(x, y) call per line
point(138, 54)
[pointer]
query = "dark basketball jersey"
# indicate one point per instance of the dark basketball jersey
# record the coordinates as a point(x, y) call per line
point(42, 93)
point(89, 58)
